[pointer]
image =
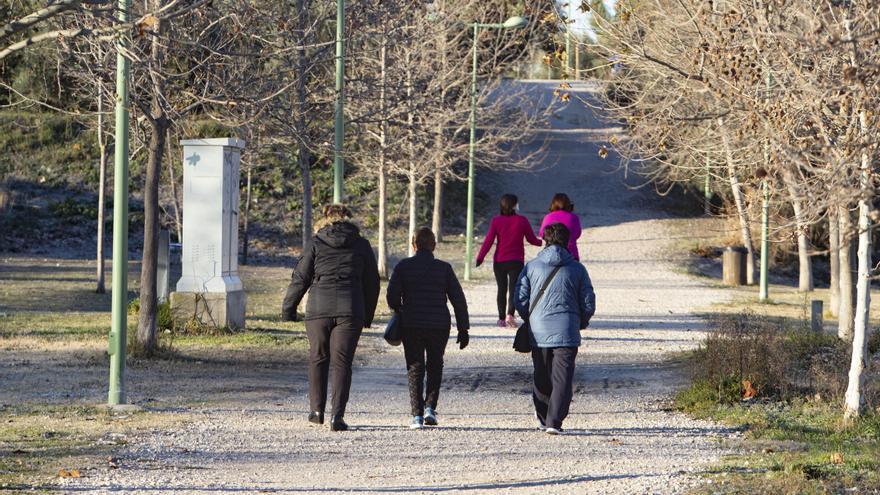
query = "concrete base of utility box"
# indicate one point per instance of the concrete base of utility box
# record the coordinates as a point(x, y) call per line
point(213, 309)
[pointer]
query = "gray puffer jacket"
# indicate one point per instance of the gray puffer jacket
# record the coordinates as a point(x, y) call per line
point(567, 305)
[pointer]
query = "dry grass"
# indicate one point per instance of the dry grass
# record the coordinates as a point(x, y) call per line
point(54, 364)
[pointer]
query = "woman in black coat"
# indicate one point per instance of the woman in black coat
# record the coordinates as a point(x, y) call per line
point(418, 291)
point(339, 271)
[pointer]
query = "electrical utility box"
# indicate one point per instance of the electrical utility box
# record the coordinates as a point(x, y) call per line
point(210, 290)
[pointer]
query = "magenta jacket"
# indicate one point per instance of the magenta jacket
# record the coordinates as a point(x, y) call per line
point(571, 221)
point(510, 231)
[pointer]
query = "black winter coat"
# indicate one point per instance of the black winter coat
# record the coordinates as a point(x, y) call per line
point(419, 289)
point(339, 271)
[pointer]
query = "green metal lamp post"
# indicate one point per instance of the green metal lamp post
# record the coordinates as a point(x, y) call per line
point(514, 22)
point(568, 21)
point(119, 320)
point(338, 164)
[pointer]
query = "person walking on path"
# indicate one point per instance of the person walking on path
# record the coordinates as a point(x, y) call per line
point(562, 211)
point(418, 291)
point(511, 229)
point(339, 271)
point(566, 307)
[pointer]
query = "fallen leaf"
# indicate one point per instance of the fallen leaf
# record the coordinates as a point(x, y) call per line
point(837, 458)
point(72, 473)
point(749, 391)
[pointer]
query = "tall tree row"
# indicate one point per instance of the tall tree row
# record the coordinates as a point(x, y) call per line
point(779, 91)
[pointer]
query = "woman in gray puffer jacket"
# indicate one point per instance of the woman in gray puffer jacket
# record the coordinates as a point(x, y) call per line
point(564, 310)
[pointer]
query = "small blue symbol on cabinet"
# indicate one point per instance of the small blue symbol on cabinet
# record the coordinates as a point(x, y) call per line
point(194, 159)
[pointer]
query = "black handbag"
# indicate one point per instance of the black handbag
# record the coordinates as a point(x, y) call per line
point(393, 331)
point(522, 342)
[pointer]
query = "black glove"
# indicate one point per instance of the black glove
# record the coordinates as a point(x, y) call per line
point(289, 316)
point(479, 262)
point(462, 339)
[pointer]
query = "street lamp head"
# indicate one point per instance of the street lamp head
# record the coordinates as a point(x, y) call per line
point(515, 22)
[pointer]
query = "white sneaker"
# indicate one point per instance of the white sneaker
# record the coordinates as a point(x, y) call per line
point(541, 425)
point(554, 431)
point(418, 423)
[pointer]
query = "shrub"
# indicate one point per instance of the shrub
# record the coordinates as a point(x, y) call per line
point(780, 359)
point(164, 321)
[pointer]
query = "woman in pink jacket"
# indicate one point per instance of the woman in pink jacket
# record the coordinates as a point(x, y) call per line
point(561, 209)
point(510, 229)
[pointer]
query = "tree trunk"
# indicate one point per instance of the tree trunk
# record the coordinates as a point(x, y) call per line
point(855, 399)
point(412, 189)
point(247, 212)
point(413, 204)
point(383, 222)
point(437, 216)
point(383, 190)
point(805, 278)
point(146, 331)
point(102, 189)
point(178, 224)
point(302, 9)
point(834, 264)
point(742, 212)
point(846, 314)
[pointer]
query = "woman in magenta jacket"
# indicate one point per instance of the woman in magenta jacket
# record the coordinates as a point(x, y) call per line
point(510, 254)
point(561, 209)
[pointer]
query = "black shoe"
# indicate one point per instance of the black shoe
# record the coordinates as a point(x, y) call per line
point(337, 424)
point(316, 417)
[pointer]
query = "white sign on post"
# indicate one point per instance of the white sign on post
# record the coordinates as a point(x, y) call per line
point(210, 231)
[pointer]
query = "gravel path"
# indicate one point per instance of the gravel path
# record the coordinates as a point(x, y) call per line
point(622, 438)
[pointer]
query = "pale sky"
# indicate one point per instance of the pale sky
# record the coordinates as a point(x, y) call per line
point(582, 20)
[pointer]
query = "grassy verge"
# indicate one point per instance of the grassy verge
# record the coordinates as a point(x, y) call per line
point(796, 446)
point(53, 360)
point(782, 384)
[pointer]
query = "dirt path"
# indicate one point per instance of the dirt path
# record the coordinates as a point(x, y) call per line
point(622, 438)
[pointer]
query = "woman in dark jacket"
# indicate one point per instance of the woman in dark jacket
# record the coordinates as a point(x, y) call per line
point(339, 271)
point(418, 291)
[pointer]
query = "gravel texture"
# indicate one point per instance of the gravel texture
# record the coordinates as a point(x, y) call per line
point(621, 436)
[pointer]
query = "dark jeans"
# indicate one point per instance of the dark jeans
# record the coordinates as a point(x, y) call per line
point(417, 345)
point(332, 342)
point(506, 273)
point(554, 378)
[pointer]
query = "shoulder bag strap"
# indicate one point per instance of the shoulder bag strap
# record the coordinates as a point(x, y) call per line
point(543, 289)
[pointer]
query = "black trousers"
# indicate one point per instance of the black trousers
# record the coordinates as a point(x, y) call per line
point(332, 342)
point(554, 380)
point(506, 273)
point(424, 350)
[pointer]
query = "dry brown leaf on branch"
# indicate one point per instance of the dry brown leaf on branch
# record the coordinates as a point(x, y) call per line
point(147, 22)
point(603, 152)
point(749, 391)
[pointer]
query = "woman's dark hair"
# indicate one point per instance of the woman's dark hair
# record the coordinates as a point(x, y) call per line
point(424, 239)
point(557, 234)
point(336, 213)
point(508, 204)
point(561, 201)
